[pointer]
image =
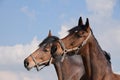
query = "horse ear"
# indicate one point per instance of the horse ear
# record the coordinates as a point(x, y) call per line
point(49, 34)
point(80, 21)
point(87, 22)
point(87, 26)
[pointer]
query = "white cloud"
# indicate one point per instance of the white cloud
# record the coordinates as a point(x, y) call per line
point(27, 12)
point(65, 27)
point(63, 31)
point(28, 75)
point(16, 54)
point(110, 39)
point(101, 7)
point(8, 75)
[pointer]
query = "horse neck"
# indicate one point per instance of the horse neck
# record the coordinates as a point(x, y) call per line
point(58, 70)
point(70, 68)
point(94, 60)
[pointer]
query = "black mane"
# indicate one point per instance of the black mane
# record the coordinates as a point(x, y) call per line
point(49, 39)
point(108, 57)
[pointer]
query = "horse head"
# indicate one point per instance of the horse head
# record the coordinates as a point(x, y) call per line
point(41, 56)
point(77, 38)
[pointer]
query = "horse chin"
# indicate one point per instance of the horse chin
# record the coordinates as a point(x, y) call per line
point(29, 68)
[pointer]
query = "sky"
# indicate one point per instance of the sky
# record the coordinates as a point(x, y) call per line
point(25, 23)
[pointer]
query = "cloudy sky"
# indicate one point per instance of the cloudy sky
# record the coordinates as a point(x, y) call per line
point(25, 23)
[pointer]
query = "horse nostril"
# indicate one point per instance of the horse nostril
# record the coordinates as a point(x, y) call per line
point(26, 63)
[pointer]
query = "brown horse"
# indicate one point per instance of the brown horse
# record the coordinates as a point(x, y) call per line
point(70, 69)
point(81, 40)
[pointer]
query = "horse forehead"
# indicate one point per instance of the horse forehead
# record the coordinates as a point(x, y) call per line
point(76, 28)
point(48, 40)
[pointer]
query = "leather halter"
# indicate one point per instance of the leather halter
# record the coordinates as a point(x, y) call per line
point(45, 63)
point(72, 49)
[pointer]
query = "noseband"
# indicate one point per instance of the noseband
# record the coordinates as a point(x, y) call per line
point(45, 63)
point(72, 49)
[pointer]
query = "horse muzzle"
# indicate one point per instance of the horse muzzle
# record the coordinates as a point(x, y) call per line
point(27, 64)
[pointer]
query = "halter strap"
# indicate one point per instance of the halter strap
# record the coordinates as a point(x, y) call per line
point(39, 64)
point(72, 49)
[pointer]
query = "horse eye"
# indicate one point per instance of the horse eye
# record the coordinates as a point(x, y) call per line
point(46, 50)
point(82, 33)
point(72, 43)
point(78, 35)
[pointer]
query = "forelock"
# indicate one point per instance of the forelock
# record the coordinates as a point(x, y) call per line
point(49, 40)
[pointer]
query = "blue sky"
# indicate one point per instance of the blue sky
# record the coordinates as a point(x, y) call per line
point(24, 19)
point(25, 23)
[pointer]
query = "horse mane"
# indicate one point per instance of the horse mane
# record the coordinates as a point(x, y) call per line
point(108, 57)
point(49, 39)
point(106, 54)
